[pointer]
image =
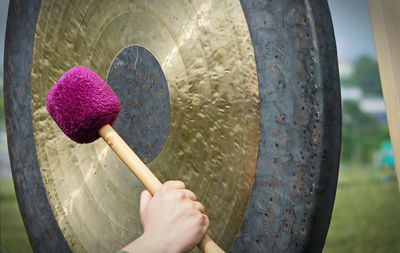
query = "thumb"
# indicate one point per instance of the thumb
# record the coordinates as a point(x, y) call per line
point(145, 197)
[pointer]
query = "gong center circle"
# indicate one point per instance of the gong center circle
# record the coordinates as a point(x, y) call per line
point(139, 82)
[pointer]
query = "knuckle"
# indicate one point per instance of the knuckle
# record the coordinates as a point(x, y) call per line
point(194, 195)
point(199, 217)
point(200, 205)
point(164, 187)
point(178, 195)
point(190, 206)
point(181, 195)
point(180, 184)
point(168, 183)
point(206, 221)
point(187, 208)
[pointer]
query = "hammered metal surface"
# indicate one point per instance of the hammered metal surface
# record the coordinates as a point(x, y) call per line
point(205, 52)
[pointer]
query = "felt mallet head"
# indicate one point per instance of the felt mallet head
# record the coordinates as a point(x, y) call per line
point(81, 103)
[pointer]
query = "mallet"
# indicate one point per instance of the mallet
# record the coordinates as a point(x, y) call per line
point(85, 107)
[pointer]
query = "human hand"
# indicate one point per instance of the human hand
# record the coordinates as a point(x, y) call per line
point(172, 219)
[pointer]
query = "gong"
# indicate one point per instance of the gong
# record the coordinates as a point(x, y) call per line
point(238, 99)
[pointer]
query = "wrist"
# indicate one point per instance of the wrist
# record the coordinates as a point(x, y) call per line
point(145, 244)
point(157, 244)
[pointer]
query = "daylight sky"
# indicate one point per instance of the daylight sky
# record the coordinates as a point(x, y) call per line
point(3, 17)
point(352, 28)
point(350, 20)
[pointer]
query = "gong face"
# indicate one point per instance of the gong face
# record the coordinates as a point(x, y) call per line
point(185, 74)
point(238, 99)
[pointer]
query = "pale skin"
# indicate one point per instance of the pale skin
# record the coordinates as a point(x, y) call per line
point(173, 221)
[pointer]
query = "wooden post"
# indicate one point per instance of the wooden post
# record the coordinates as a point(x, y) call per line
point(385, 20)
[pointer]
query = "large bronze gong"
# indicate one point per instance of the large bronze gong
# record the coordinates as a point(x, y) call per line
point(238, 99)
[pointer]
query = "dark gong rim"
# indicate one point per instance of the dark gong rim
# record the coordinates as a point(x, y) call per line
point(42, 229)
point(299, 149)
point(294, 186)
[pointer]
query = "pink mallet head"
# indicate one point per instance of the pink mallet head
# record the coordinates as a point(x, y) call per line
point(81, 103)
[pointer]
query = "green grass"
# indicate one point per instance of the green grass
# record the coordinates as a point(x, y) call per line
point(366, 215)
point(12, 230)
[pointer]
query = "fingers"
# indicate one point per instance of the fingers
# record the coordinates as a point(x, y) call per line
point(189, 194)
point(180, 186)
point(199, 207)
point(174, 184)
point(206, 222)
point(145, 197)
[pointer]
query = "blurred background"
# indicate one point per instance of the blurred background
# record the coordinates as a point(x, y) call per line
point(365, 217)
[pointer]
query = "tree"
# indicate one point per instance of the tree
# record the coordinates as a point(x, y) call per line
point(361, 134)
point(366, 75)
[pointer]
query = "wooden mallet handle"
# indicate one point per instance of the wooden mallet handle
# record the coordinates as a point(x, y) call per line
point(144, 174)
